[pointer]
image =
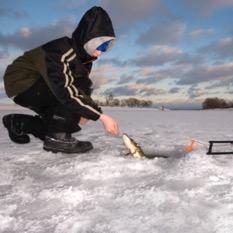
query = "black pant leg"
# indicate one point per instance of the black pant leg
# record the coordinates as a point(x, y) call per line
point(56, 117)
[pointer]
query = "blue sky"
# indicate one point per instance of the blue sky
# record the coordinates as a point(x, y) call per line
point(173, 52)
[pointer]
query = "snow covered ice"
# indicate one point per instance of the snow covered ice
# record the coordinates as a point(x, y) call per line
point(105, 192)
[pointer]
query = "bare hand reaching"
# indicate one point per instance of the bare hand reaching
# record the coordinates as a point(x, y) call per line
point(110, 125)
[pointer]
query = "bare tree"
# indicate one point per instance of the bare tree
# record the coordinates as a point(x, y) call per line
point(109, 98)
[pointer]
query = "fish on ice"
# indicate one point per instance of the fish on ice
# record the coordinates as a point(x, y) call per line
point(134, 149)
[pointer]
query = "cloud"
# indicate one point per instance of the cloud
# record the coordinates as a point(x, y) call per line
point(194, 92)
point(163, 34)
point(27, 38)
point(157, 56)
point(174, 90)
point(2, 94)
point(200, 32)
point(207, 7)
point(220, 49)
point(99, 75)
point(209, 73)
point(128, 12)
point(190, 59)
point(135, 90)
point(2, 90)
point(114, 61)
point(125, 79)
point(106, 74)
point(222, 83)
point(72, 4)
point(13, 14)
point(3, 54)
point(150, 91)
point(150, 75)
point(122, 91)
point(150, 80)
point(154, 75)
point(2, 86)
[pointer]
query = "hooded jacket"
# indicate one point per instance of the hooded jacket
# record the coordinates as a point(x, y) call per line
point(64, 64)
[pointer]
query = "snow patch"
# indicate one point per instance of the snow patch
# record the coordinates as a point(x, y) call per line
point(106, 191)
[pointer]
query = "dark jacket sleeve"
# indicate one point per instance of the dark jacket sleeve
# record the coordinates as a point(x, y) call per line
point(60, 79)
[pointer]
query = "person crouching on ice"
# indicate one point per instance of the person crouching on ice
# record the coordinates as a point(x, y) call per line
point(53, 81)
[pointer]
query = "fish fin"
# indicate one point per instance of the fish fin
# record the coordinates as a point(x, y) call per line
point(127, 154)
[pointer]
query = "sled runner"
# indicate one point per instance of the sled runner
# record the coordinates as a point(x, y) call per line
point(220, 147)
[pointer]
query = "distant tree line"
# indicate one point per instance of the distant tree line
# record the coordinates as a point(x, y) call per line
point(211, 103)
point(110, 100)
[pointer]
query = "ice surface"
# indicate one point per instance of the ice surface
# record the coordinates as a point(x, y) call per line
point(105, 192)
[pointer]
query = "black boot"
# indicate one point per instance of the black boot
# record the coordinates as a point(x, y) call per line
point(63, 142)
point(14, 125)
point(20, 125)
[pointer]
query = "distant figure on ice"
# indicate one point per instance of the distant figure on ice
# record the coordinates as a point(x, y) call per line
point(53, 81)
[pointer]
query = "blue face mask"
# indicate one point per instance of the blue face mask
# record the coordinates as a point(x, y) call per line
point(104, 47)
